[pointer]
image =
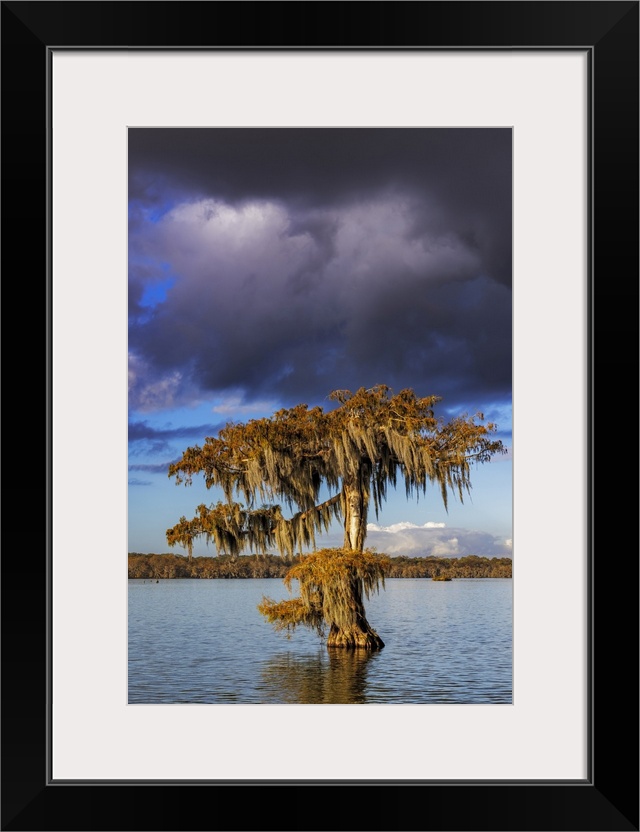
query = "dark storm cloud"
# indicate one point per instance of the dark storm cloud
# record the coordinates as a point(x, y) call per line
point(144, 439)
point(141, 431)
point(307, 260)
point(155, 468)
point(466, 172)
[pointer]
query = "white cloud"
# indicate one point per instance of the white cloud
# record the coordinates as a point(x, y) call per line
point(432, 538)
point(447, 548)
point(399, 527)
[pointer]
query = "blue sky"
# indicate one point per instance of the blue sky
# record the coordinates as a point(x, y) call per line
point(270, 267)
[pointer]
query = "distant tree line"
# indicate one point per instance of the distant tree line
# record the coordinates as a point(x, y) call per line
point(471, 566)
point(158, 566)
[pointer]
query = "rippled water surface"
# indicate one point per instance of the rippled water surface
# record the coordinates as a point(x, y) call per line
point(203, 641)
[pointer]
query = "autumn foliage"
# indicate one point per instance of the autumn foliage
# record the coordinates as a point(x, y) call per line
point(272, 471)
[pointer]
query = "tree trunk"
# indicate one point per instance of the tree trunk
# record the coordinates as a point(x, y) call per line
point(358, 633)
point(358, 637)
point(355, 517)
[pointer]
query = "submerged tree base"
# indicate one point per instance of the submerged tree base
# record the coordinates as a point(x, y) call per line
point(332, 584)
point(355, 638)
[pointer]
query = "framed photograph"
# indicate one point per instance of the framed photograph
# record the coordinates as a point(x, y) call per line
point(346, 272)
point(525, 116)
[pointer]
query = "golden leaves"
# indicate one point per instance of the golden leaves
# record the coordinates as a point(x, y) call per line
point(332, 584)
point(370, 439)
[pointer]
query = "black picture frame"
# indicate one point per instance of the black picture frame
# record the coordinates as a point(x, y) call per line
point(608, 798)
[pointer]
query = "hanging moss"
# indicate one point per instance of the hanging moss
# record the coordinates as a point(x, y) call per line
point(332, 585)
point(368, 442)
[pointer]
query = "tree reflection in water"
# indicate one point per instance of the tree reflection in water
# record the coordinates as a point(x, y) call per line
point(331, 677)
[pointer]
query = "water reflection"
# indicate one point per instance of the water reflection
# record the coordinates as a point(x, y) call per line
point(332, 676)
point(445, 643)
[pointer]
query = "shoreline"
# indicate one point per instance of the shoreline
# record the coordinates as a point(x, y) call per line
point(156, 566)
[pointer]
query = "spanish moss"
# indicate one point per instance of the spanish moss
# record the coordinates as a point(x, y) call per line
point(271, 472)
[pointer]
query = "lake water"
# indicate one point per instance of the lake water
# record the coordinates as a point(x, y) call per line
point(203, 641)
